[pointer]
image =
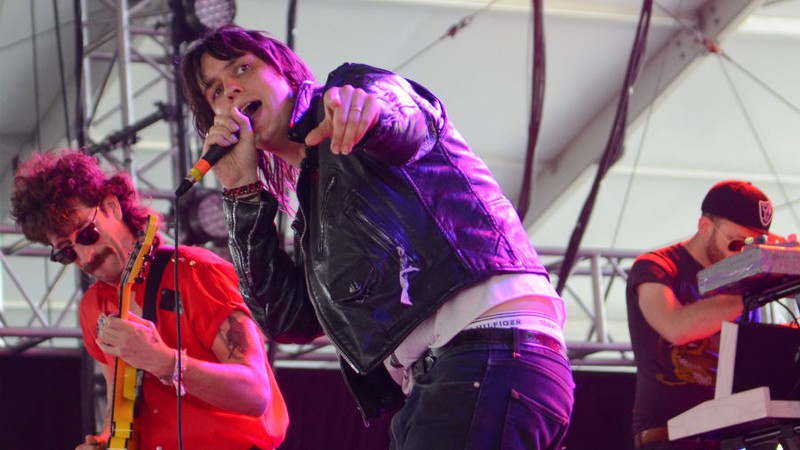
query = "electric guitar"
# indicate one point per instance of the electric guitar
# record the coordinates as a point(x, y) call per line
point(126, 378)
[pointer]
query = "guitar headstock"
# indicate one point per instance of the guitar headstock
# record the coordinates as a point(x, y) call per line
point(141, 253)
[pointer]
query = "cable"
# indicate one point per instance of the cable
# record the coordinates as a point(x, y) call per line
point(537, 106)
point(451, 32)
point(80, 118)
point(613, 146)
point(637, 156)
point(759, 142)
point(791, 313)
point(178, 312)
point(714, 47)
point(291, 23)
point(35, 78)
point(761, 83)
point(61, 72)
point(11, 44)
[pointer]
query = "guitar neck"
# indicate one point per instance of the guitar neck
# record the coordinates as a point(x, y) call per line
point(127, 380)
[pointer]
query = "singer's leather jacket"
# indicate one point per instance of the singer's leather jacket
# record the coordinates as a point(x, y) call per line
point(384, 236)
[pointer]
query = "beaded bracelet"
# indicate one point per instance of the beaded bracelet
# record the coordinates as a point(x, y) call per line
point(177, 375)
point(242, 191)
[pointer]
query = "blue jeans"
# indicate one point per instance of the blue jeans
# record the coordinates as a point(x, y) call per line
point(479, 396)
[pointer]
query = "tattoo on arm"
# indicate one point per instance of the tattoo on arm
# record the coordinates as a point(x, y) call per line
point(235, 337)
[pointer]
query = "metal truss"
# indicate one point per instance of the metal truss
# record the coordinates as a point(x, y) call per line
point(143, 71)
point(597, 284)
point(596, 333)
point(46, 315)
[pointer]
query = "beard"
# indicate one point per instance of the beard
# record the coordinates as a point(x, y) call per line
point(713, 251)
point(98, 261)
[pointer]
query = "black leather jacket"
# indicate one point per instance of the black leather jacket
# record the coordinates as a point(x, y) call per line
point(385, 235)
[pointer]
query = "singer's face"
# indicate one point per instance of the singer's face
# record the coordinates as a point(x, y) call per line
point(106, 258)
point(253, 87)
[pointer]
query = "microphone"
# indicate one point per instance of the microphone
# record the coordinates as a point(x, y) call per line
point(214, 154)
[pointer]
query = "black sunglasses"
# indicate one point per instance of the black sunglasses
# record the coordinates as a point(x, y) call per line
point(87, 236)
point(734, 244)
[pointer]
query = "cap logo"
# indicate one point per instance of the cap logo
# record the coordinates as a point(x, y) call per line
point(765, 212)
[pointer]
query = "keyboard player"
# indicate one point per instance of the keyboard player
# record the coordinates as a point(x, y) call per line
point(674, 330)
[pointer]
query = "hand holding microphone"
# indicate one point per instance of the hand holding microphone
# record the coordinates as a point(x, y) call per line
point(201, 167)
point(223, 137)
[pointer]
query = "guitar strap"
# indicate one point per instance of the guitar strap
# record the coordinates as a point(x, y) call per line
point(163, 254)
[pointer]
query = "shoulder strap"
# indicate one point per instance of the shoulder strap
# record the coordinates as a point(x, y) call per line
point(163, 254)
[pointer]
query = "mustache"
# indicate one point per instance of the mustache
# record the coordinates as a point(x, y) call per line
point(97, 260)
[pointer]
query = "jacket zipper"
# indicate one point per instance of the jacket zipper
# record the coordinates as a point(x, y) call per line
point(323, 213)
point(383, 239)
point(308, 283)
point(321, 322)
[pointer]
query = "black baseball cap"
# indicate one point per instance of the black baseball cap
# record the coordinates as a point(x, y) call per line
point(741, 203)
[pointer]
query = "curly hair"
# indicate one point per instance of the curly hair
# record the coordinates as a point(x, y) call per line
point(230, 42)
point(48, 186)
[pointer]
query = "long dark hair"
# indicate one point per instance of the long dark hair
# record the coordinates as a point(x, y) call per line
point(230, 42)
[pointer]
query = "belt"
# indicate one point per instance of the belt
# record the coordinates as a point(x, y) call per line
point(650, 436)
point(513, 337)
point(660, 434)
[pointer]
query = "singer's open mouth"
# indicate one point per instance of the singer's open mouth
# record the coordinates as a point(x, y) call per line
point(251, 108)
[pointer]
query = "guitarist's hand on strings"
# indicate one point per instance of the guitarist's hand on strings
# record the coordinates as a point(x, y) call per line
point(137, 342)
point(92, 442)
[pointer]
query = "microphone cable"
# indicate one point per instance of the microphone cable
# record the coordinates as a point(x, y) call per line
point(178, 311)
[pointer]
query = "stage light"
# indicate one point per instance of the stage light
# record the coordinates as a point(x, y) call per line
point(200, 16)
point(203, 218)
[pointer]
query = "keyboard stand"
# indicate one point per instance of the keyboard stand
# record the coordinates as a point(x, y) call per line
point(788, 435)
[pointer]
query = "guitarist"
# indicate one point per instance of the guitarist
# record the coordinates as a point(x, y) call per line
point(230, 399)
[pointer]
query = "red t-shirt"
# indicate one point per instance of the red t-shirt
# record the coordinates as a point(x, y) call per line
point(670, 378)
point(209, 294)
